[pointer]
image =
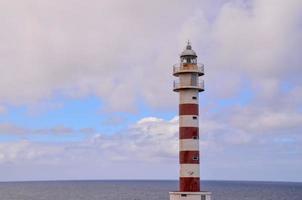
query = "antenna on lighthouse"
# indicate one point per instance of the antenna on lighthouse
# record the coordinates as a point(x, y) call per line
point(189, 45)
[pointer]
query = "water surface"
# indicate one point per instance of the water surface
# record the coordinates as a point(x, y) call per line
point(145, 190)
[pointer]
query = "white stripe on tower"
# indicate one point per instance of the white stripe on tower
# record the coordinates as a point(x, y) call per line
point(189, 170)
point(188, 96)
point(188, 121)
point(189, 144)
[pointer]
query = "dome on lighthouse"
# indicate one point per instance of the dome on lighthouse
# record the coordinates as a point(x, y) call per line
point(188, 51)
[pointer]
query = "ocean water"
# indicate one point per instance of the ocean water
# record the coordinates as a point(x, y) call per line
point(145, 190)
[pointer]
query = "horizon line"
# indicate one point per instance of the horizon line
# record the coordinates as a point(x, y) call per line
point(211, 180)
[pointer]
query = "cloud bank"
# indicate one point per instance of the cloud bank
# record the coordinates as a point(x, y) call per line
point(103, 48)
point(122, 52)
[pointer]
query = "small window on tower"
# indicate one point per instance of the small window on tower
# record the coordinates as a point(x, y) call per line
point(195, 158)
point(183, 195)
point(194, 97)
point(194, 117)
point(194, 80)
point(195, 137)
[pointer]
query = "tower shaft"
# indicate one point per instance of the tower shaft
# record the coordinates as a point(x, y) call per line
point(189, 179)
point(189, 86)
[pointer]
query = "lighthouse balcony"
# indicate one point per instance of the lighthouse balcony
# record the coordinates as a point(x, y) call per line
point(197, 85)
point(188, 68)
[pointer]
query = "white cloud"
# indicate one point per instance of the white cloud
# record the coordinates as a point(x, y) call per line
point(12, 129)
point(148, 144)
point(261, 121)
point(129, 54)
point(24, 151)
point(2, 109)
point(84, 48)
point(147, 120)
point(151, 146)
point(148, 139)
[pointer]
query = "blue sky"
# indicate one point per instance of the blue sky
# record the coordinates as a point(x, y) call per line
point(86, 88)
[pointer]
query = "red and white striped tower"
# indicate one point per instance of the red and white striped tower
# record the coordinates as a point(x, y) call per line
point(189, 86)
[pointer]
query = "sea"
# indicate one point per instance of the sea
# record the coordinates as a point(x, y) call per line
point(145, 190)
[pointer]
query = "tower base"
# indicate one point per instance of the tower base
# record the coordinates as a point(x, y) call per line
point(190, 195)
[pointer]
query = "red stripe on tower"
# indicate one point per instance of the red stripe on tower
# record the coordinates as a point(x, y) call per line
point(189, 157)
point(189, 184)
point(188, 109)
point(188, 133)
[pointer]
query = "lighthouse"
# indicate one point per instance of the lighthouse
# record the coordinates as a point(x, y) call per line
point(188, 85)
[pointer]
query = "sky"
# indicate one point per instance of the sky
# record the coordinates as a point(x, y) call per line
point(86, 88)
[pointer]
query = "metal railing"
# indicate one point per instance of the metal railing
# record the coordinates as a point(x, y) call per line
point(198, 85)
point(186, 67)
